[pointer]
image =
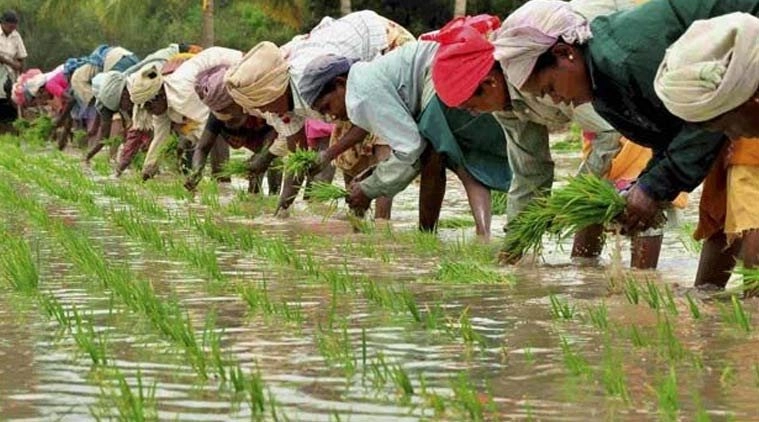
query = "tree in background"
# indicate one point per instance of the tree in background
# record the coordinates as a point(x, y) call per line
point(345, 7)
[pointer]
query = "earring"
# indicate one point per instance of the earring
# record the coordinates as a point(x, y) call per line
point(571, 57)
point(756, 100)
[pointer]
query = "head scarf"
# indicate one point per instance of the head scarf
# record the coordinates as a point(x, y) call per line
point(712, 69)
point(463, 60)
point(145, 84)
point(27, 86)
point(111, 86)
point(260, 78)
point(484, 24)
point(320, 72)
point(531, 31)
point(210, 87)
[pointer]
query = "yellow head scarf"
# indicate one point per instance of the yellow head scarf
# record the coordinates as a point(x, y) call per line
point(260, 78)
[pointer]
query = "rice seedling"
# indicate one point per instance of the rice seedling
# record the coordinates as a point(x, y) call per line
point(667, 394)
point(612, 374)
point(727, 376)
point(586, 200)
point(235, 167)
point(632, 291)
point(258, 300)
point(599, 316)
point(255, 391)
point(670, 300)
point(498, 201)
point(136, 403)
point(90, 342)
point(403, 386)
point(17, 264)
point(466, 330)
point(326, 192)
point(736, 314)
point(336, 349)
point(685, 236)
point(53, 309)
point(652, 295)
point(38, 131)
point(572, 142)
point(455, 223)
point(562, 310)
point(298, 162)
point(574, 362)
point(468, 272)
point(670, 346)
point(636, 337)
point(80, 138)
point(701, 413)
point(467, 400)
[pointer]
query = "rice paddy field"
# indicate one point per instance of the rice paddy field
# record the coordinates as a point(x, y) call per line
point(138, 301)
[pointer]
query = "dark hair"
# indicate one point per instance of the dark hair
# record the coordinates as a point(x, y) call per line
point(9, 17)
point(545, 60)
point(330, 86)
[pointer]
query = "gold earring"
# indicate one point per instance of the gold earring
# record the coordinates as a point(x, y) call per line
point(756, 100)
point(571, 57)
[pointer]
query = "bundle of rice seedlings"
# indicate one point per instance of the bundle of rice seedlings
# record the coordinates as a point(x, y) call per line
point(235, 167)
point(298, 162)
point(112, 141)
point(586, 200)
point(326, 192)
point(42, 127)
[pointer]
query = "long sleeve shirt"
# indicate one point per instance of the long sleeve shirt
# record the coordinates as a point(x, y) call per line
point(623, 57)
point(385, 97)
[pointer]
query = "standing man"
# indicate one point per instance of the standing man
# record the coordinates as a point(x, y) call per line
point(12, 55)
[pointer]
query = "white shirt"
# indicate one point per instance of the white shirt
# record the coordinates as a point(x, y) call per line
point(12, 45)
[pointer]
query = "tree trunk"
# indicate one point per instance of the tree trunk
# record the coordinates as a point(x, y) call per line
point(208, 30)
point(459, 8)
point(345, 7)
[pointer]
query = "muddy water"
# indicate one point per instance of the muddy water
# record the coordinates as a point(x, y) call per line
point(518, 364)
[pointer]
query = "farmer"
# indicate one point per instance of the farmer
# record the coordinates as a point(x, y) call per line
point(228, 124)
point(12, 56)
point(545, 48)
point(112, 97)
point(392, 98)
point(710, 77)
point(466, 75)
point(173, 102)
point(267, 79)
point(80, 73)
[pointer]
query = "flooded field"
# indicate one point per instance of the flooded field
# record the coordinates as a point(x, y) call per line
point(136, 301)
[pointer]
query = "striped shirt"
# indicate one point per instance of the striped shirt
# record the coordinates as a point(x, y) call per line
point(361, 36)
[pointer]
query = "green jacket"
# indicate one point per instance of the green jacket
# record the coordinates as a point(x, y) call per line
point(623, 57)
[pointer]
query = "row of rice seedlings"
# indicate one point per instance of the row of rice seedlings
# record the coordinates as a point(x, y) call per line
point(457, 271)
point(91, 342)
point(18, 267)
point(599, 316)
point(170, 323)
point(669, 346)
point(336, 348)
point(667, 394)
point(586, 200)
point(613, 376)
point(138, 296)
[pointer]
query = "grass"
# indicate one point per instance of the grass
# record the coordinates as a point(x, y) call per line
point(298, 162)
point(693, 307)
point(38, 131)
point(599, 316)
point(585, 201)
point(455, 223)
point(573, 141)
